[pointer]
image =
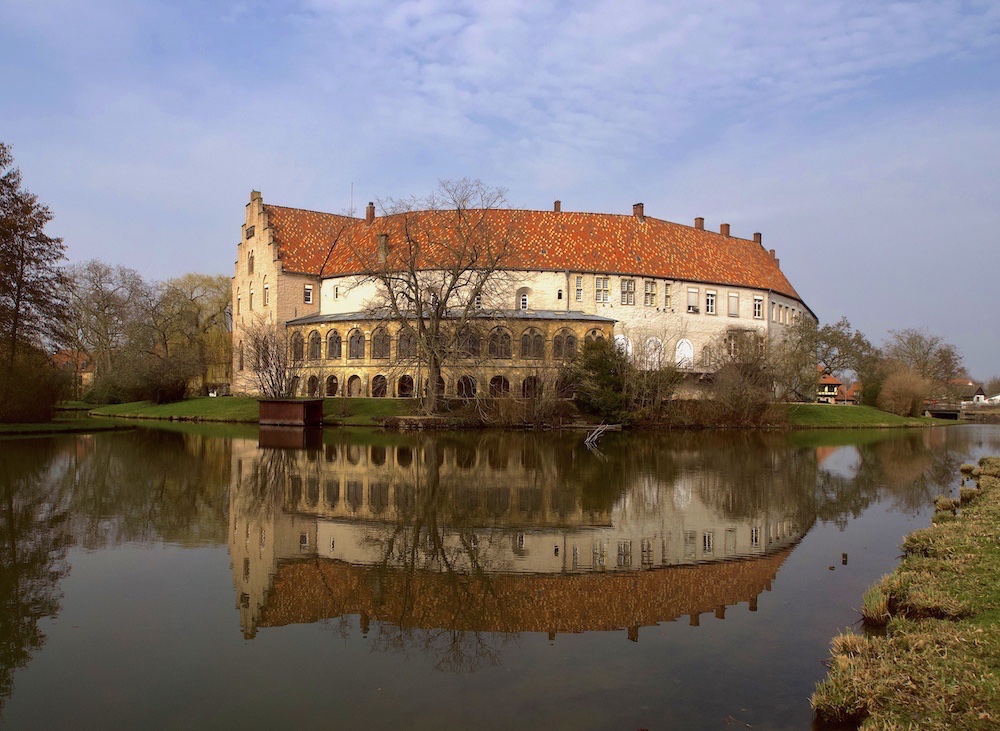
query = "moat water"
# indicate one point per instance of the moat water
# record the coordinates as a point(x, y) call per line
point(227, 577)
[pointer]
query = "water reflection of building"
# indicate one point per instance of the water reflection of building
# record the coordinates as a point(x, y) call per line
point(424, 534)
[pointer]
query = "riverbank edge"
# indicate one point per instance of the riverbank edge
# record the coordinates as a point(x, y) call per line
point(936, 664)
point(390, 413)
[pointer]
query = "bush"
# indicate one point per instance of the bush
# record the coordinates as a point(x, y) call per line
point(903, 393)
point(30, 389)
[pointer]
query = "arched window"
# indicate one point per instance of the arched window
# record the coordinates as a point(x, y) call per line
point(654, 353)
point(379, 387)
point(469, 345)
point(531, 387)
point(500, 343)
point(404, 387)
point(298, 345)
point(407, 347)
point(250, 263)
point(312, 385)
point(522, 298)
point(499, 386)
point(333, 345)
point(315, 346)
point(564, 345)
point(594, 335)
point(356, 345)
point(293, 386)
point(331, 386)
point(380, 344)
point(624, 345)
point(532, 344)
point(684, 354)
point(354, 386)
point(241, 356)
point(466, 387)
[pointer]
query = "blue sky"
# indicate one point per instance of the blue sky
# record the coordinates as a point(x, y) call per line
point(861, 138)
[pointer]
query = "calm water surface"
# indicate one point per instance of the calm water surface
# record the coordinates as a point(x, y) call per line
point(231, 578)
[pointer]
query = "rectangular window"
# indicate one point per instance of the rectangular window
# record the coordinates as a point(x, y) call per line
point(649, 294)
point(708, 542)
point(336, 291)
point(693, 300)
point(647, 551)
point(267, 294)
point(478, 302)
point(734, 304)
point(755, 537)
point(579, 289)
point(624, 554)
point(758, 308)
point(666, 296)
point(602, 291)
point(307, 295)
point(628, 291)
point(251, 300)
point(709, 303)
point(239, 302)
point(689, 540)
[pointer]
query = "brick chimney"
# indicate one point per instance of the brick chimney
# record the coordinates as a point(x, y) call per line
point(370, 212)
point(771, 252)
point(699, 223)
point(724, 229)
point(638, 212)
point(757, 238)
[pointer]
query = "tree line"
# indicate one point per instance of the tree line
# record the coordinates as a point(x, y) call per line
point(140, 339)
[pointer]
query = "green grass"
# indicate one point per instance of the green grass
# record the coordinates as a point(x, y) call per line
point(236, 409)
point(827, 416)
point(938, 664)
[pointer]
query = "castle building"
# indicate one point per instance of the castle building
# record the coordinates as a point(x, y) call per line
point(665, 292)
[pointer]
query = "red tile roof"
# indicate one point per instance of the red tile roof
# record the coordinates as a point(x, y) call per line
point(304, 237)
point(540, 240)
point(309, 591)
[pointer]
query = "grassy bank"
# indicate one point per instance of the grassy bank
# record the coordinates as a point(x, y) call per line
point(936, 665)
point(827, 416)
point(235, 409)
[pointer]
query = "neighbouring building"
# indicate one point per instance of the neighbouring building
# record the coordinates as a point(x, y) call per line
point(666, 293)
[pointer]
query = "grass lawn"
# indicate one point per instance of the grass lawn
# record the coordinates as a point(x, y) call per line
point(937, 663)
point(828, 416)
point(357, 411)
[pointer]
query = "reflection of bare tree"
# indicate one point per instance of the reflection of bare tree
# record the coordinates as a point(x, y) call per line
point(908, 469)
point(415, 541)
point(34, 537)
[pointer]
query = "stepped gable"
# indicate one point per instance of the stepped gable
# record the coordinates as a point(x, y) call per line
point(304, 237)
point(310, 591)
point(567, 241)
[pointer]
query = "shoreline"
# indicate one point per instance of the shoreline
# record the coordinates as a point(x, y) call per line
point(929, 657)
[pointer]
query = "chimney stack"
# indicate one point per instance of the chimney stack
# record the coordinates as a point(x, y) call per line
point(370, 213)
point(757, 238)
point(724, 229)
point(771, 252)
point(699, 223)
point(637, 211)
point(557, 206)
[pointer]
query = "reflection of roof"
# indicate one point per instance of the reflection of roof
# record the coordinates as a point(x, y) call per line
point(308, 591)
point(538, 240)
point(502, 315)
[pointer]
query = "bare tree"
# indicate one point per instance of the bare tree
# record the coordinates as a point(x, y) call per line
point(927, 355)
point(273, 358)
point(438, 263)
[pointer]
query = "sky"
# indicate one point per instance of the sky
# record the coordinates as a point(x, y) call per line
point(862, 139)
